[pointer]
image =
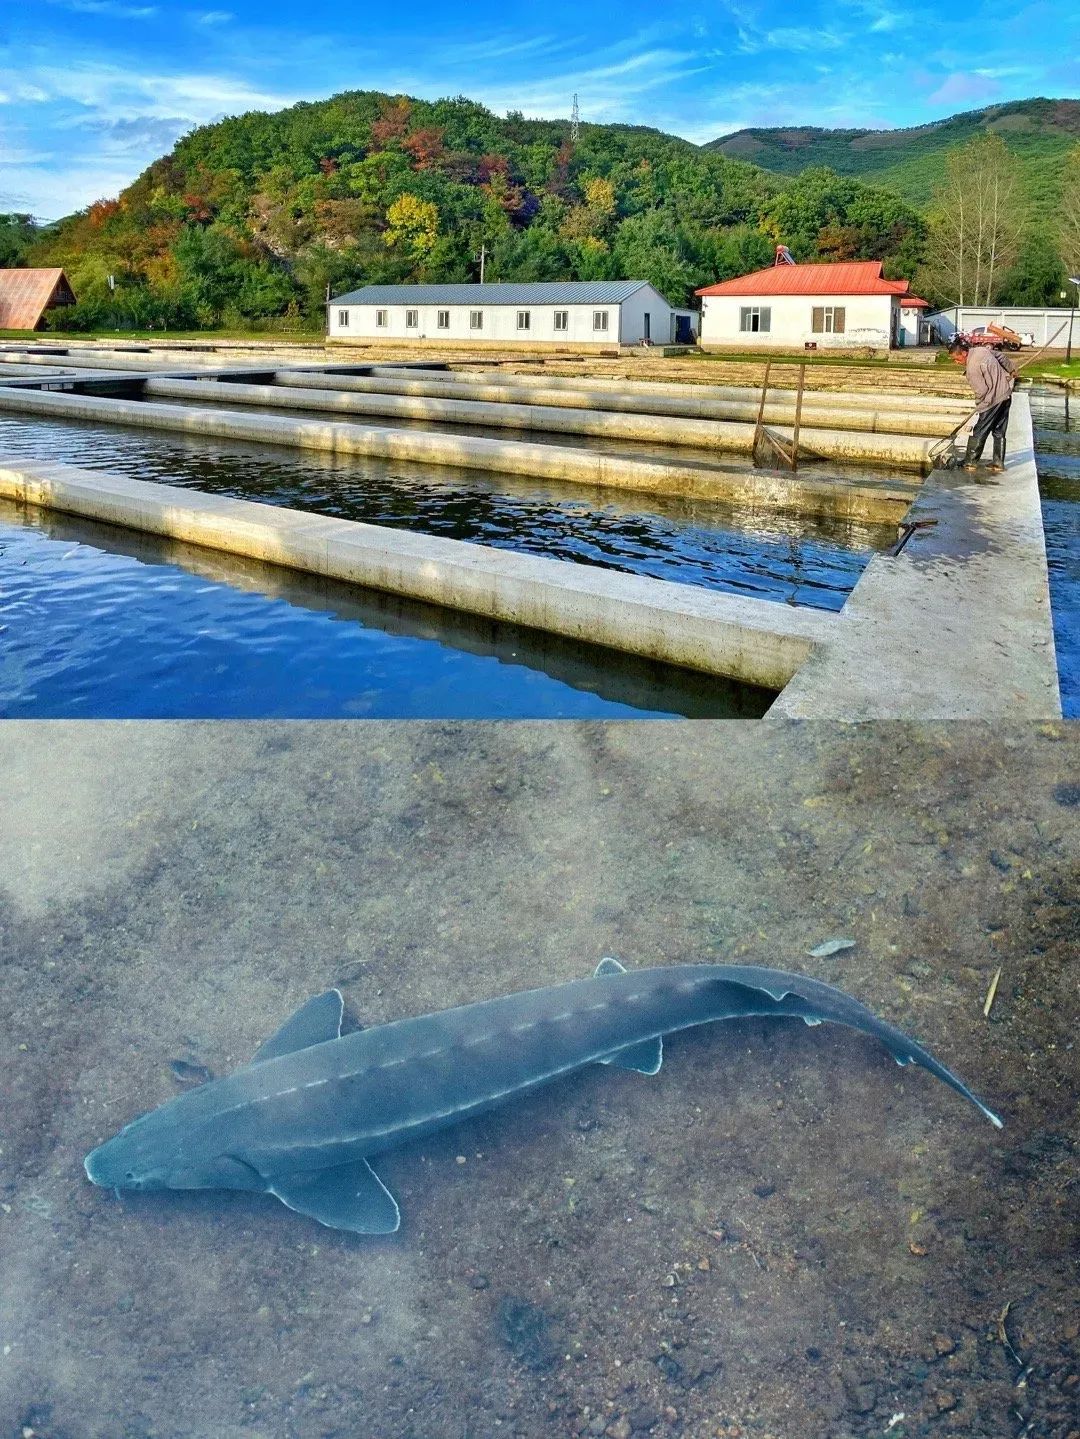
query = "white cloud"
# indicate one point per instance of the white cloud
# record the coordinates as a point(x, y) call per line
point(116, 9)
point(112, 92)
point(214, 17)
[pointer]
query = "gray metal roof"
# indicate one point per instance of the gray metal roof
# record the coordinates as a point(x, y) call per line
point(568, 292)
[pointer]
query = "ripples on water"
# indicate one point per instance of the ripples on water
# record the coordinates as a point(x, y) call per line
point(97, 622)
point(1056, 415)
point(796, 560)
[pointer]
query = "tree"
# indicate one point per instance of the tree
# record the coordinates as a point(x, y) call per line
point(17, 234)
point(1037, 277)
point(412, 224)
point(1069, 215)
point(976, 222)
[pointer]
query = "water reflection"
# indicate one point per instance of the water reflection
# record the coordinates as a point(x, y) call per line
point(1056, 416)
point(796, 560)
point(107, 623)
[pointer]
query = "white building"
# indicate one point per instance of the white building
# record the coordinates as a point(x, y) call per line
point(812, 307)
point(577, 315)
point(1045, 326)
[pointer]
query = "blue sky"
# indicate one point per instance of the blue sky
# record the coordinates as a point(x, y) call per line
point(92, 90)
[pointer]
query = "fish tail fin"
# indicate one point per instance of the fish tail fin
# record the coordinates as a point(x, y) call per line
point(906, 1051)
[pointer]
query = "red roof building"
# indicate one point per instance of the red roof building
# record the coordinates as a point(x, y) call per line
point(828, 306)
point(25, 296)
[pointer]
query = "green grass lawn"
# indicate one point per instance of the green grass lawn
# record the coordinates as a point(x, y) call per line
point(802, 357)
point(1056, 368)
point(127, 337)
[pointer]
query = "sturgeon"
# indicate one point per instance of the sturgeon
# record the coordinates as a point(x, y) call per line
point(315, 1103)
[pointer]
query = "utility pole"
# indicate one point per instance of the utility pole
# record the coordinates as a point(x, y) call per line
point(575, 123)
point(483, 257)
point(1074, 280)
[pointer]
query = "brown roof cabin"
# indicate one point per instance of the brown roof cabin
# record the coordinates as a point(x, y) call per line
point(25, 295)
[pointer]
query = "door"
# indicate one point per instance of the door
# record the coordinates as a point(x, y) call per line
point(648, 325)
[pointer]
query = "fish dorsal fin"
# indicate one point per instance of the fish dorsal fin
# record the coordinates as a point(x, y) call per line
point(608, 966)
point(313, 1023)
point(646, 1057)
point(350, 1196)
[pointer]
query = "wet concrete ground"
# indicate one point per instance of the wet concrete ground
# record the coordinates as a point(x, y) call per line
point(782, 1234)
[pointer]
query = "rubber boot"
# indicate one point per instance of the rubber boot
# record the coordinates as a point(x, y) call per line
point(997, 464)
point(970, 458)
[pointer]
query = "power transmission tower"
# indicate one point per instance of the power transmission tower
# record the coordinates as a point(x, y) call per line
point(575, 123)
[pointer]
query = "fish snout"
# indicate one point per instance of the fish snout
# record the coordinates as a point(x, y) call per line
point(110, 1170)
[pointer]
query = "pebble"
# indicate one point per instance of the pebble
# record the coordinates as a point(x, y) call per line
point(943, 1344)
point(863, 1398)
point(643, 1418)
point(945, 1400)
point(620, 1429)
point(480, 1281)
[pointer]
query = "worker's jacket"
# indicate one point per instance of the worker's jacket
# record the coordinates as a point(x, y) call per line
point(989, 376)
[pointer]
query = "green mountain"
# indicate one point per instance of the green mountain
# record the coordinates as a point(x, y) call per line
point(912, 162)
point(258, 215)
point(254, 219)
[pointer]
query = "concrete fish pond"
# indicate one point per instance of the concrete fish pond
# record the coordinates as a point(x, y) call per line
point(302, 1119)
point(706, 558)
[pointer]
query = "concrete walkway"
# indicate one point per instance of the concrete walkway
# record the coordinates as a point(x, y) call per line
point(958, 625)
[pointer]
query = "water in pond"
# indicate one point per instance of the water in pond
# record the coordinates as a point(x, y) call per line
point(780, 1234)
point(97, 622)
point(1056, 417)
point(795, 560)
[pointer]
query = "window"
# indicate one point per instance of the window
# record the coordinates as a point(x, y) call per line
point(444, 319)
point(755, 319)
point(524, 319)
point(380, 319)
point(827, 320)
point(562, 319)
point(412, 319)
point(476, 319)
point(599, 319)
point(343, 319)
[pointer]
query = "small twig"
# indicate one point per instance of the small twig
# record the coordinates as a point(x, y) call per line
point(1002, 1334)
point(989, 1003)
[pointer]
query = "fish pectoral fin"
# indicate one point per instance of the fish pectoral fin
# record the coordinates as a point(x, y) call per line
point(646, 1057)
point(350, 1196)
point(608, 966)
point(313, 1023)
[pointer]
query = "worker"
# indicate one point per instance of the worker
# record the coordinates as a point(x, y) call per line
point(992, 378)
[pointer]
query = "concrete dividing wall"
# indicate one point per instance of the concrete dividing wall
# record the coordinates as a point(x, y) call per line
point(711, 435)
point(885, 500)
point(751, 640)
point(958, 625)
point(849, 399)
point(831, 412)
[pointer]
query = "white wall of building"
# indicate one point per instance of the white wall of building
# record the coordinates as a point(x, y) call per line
point(909, 325)
point(661, 318)
point(867, 321)
point(625, 323)
point(1042, 324)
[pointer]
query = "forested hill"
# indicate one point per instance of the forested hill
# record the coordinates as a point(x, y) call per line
point(912, 162)
point(255, 216)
